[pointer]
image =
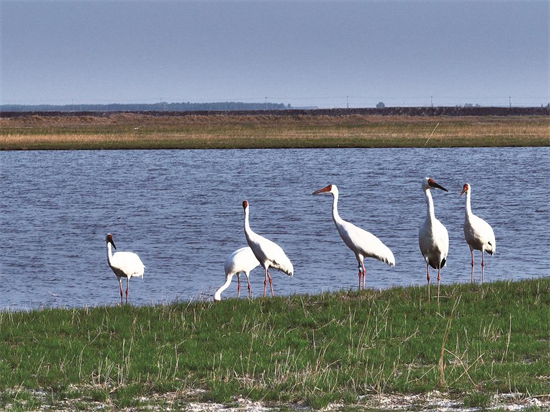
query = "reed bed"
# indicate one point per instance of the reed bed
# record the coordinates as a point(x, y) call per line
point(140, 131)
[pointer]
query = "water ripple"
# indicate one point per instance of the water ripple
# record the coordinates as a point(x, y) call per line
point(181, 211)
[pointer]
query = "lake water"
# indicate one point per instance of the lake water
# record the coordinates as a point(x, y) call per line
point(181, 212)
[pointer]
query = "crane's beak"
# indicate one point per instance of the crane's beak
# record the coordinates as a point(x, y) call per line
point(464, 190)
point(109, 239)
point(324, 190)
point(434, 184)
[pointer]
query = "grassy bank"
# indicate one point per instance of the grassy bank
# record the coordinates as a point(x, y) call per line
point(301, 349)
point(143, 131)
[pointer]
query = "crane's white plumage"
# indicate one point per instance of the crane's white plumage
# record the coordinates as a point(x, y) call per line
point(241, 260)
point(478, 233)
point(124, 265)
point(433, 238)
point(361, 242)
point(268, 253)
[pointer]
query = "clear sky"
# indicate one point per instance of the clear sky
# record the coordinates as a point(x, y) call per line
point(321, 53)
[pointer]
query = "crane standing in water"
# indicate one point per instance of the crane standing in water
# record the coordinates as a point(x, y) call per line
point(433, 238)
point(362, 243)
point(478, 233)
point(124, 265)
point(268, 253)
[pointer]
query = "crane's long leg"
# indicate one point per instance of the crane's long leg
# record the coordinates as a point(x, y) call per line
point(472, 275)
point(482, 266)
point(120, 285)
point(428, 278)
point(249, 287)
point(438, 280)
point(364, 274)
point(270, 283)
point(265, 281)
point(127, 288)
point(238, 285)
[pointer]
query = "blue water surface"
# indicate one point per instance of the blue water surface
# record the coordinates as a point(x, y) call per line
point(180, 210)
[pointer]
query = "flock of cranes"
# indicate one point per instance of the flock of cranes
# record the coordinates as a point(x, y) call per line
point(433, 240)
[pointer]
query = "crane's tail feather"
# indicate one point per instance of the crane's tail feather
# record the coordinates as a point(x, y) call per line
point(386, 257)
point(493, 248)
point(380, 251)
point(286, 268)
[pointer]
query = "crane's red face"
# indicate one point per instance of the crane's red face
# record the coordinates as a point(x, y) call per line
point(109, 239)
point(465, 188)
point(245, 204)
point(327, 189)
point(433, 183)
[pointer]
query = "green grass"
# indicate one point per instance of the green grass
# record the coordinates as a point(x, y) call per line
point(333, 347)
point(477, 400)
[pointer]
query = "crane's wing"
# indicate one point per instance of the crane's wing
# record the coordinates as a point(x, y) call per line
point(479, 234)
point(359, 240)
point(281, 261)
point(241, 260)
point(268, 252)
point(127, 264)
point(434, 243)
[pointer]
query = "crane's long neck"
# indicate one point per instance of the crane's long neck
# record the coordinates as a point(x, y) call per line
point(430, 204)
point(109, 253)
point(247, 231)
point(218, 294)
point(468, 204)
point(335, 216)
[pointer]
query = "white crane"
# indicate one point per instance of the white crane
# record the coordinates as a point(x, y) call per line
point(241, 260)
point(268, 253)
point(433, 238)
point(478, 233)
point(124, 265)
point(361, 242)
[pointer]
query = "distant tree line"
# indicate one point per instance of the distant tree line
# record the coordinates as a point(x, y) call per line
point(145, 107)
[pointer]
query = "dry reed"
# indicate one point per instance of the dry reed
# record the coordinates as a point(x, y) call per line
point(241, 131)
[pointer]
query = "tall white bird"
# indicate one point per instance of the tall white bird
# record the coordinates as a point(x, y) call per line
point(268, 253)
point(478, 233)
point(433, 238)
point(361, 242)
point(241, 260)
point(124, 265)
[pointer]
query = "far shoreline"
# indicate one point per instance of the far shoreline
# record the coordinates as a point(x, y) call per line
point(282, 129)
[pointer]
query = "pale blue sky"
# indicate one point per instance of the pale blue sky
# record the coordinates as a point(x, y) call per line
point(298, 52)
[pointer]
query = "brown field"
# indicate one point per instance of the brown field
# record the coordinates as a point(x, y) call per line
point(186, 131)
